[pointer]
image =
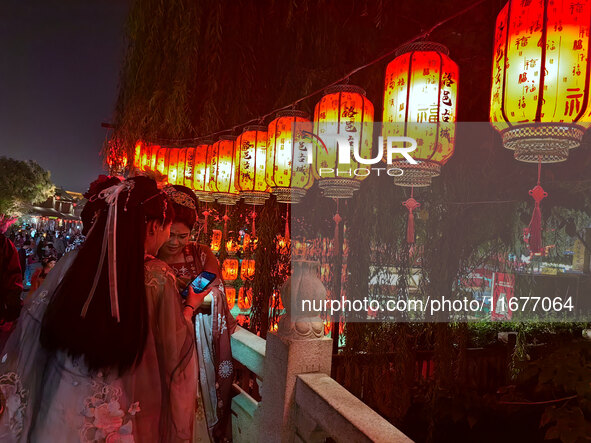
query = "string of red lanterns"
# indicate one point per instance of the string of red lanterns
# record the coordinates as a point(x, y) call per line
point(540, 102)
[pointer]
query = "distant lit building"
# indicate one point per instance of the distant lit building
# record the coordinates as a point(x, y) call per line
point(61, 211)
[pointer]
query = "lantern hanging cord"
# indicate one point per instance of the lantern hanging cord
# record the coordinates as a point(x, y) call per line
point(490, 202)
point(422, 35)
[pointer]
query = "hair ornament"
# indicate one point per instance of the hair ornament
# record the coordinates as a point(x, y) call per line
point(180, 197)
point(111, 196)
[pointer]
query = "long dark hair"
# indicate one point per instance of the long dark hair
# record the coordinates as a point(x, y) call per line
point(103, 342)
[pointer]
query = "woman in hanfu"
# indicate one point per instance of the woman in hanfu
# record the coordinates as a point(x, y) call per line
point(114, 360)
point(213, 322)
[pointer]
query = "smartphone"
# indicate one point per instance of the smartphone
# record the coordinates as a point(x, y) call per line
point(200, 283)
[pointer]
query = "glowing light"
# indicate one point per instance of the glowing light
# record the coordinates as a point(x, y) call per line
point(344, 111)
point(420, 101)
point(288, 172)
point(250, 165)
point(540, 80)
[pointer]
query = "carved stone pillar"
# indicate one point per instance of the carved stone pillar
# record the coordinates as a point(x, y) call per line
point(298, 347)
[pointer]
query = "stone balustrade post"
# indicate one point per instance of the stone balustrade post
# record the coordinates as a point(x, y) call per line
point(298, 347)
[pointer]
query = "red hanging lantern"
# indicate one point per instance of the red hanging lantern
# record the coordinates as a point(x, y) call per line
point(153, 157)
point(221, 170)
point(230, 296)
point(540, 80)
point(288, 171)
point(162, 161)
point(216, 240)
point(189, 167)
point(244, 298)
point(180, 171)
point(232, 247)
point(230, 269)
point(173, 159)
point(343, 112)
point(137, 157)
point(250, 165)
point(247, 269)
point(540, 86)
point(420, 100)
point(201, 172)
point(146, 157)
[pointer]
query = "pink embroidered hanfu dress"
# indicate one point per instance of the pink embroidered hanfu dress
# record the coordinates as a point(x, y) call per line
point(58, 400)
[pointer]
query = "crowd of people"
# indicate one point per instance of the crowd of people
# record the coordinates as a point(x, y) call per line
point(38, 248)
point(106, 349)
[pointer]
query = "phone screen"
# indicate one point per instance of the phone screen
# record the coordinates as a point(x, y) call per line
point(200, 283)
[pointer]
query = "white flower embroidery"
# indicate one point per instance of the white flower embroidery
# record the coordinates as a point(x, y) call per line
point(222, 323)
point(225, 369)
point(105, 421)
point(15, 398)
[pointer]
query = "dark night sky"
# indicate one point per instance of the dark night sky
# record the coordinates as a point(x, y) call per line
point(59, 70)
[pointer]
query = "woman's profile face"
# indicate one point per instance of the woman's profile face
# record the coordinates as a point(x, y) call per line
point(162, 233)
point(179, 238)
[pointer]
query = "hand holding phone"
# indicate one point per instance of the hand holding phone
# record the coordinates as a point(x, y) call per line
point(200, 283)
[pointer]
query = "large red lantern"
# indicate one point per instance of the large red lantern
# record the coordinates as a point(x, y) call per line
point(245, 298)
point(288, 171)
point(540, 80)
point(216, 240)
point(221, 170)
point(146, 157)
point(189, 167)
point(343, 113)
point(230, 269)
point(250, 164)
point(247, 269)
point(230, 296)
point(137, 157)
point(180, 173)
point(232, 247)
point(420, 100)
point(173, 159)
point(153, 157)
point(162, 161)
point(201, 172)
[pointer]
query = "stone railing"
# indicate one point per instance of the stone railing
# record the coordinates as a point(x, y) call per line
point(326, 409)
point(300, 402)
point(249, 350)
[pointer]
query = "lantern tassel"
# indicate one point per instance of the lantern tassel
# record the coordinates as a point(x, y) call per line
point(287, 225)
point(411, 204)
point(337, 219)
point(226, 218)
point(535, 225)
point(254, 216)
point(206, 214)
